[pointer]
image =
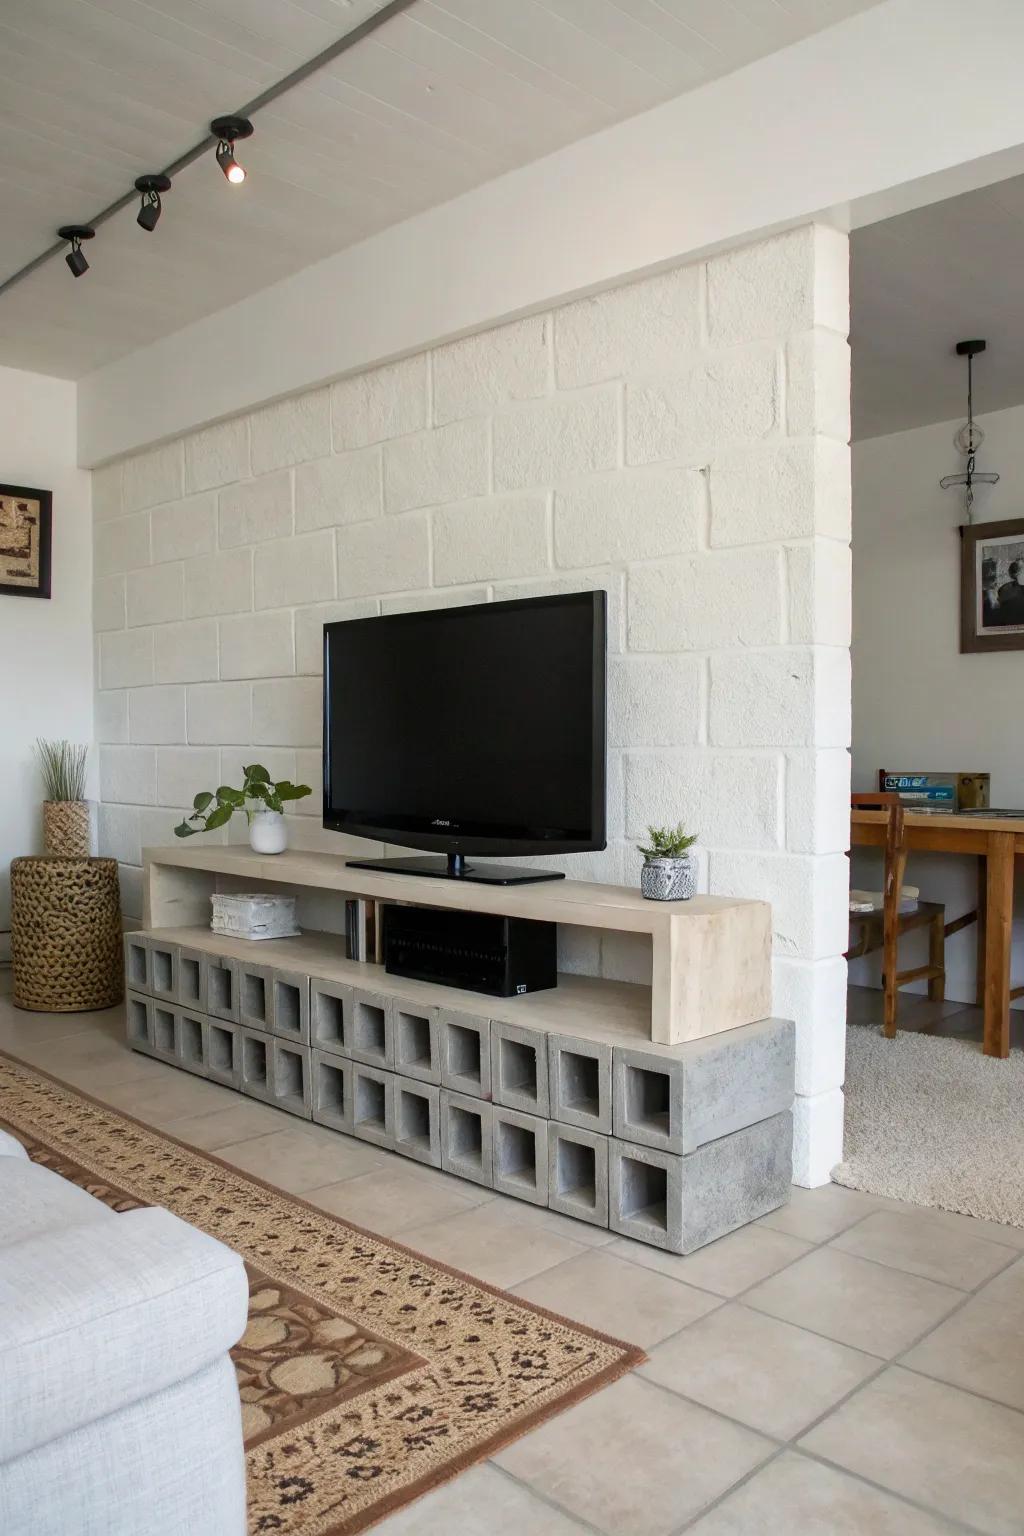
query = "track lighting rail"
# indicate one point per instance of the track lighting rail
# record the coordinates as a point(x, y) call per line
point(211, 141)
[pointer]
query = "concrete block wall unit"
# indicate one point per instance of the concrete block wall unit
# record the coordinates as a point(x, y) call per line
point(680, 441)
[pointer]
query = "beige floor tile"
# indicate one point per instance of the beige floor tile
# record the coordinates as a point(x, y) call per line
point(981, 1348)
point(944, 1448)
point(488, 1244)
point(1006, 1291)
point(553, 1221)
point(916, 1243)
point(170, 1096)
point(391, 1198)
point(771, 1375)
point(242, 1121)
point(819, 1214)
point(296, 1162)
point(618, 1298)
point(482, 1502)
point(634, 1460)
point(795, 1496)
point(868, 1306)
point(727, 1267)
point(972, 1226)
point(19, 1027)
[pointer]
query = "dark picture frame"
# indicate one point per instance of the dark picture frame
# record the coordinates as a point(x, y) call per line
point(992, 586)
point(44, 500)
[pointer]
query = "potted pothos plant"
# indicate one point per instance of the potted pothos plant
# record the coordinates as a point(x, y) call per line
point(260, 798)
point(669, 872)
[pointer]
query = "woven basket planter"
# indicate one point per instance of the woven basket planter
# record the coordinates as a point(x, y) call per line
point(65, 934)
point(67, 828)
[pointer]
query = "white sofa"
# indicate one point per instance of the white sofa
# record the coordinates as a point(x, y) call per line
point(119, 1410)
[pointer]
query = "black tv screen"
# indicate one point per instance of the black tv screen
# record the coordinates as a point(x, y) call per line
point(473, 730)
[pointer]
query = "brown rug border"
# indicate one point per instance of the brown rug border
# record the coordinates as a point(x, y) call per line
point(632, 1354)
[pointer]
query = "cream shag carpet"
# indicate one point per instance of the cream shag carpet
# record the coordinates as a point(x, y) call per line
point(935, 1122)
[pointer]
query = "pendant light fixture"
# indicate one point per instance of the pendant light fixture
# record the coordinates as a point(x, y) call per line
point(227, 130)
point(74, 234)
point(151, 207)
point(970, 436)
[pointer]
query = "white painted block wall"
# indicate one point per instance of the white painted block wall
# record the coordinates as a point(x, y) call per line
point(680, 442)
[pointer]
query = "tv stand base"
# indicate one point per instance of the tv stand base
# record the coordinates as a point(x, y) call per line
point(457, 867)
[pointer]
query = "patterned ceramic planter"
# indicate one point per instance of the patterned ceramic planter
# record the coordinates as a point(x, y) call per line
point(668, 879)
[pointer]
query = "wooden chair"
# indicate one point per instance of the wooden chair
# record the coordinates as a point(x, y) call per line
point(883, 928)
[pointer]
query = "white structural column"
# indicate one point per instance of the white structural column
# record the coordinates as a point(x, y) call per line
point(780, 514)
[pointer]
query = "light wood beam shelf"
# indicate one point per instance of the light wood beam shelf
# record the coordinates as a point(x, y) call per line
point(711, 956)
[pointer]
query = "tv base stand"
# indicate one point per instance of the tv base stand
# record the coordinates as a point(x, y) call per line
point(457, 867)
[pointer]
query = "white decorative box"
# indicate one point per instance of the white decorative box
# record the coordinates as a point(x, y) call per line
point(255, 915)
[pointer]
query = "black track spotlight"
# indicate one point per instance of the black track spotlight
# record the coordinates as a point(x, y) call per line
point(74, 234)
point(151, 207)
point(226, 130)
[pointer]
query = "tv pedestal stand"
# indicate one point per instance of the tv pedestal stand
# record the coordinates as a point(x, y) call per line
point(457, 867)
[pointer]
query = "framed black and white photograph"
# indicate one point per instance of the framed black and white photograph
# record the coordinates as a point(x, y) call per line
point(992, 586)
point(25, 517)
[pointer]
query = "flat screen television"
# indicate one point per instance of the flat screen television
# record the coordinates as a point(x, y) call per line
point(467, 731)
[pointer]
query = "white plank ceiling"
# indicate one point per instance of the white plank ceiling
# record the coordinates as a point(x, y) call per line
point(454, 92)
point(923, 281)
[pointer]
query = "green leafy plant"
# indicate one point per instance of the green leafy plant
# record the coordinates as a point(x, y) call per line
point(667, 842)
point(215, 808)
point(62, 764)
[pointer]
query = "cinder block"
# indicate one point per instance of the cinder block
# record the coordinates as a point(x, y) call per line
point(255, 995)
point(287, 711)
point(679, 1097)
point(490, 538)
point(379, 403)
point(640, 514)
point(557, 438)
point(416, 1034)
point(165, 1032)
point(190, 979)
point(658, 622)
point(373, 1028)
point(681, 1203)
point(466, 1137)
point(291, 431)
point(191, 1042)
point(293, 571)
point(223, 1052)
point(507, 362)
point(520, 1155)
point(220, 986)
point(519, 1068)
point(390, 552)
point(580, 1082)
point(290, 1078)
point(139, 1022)
point(289, 1016)
point(445, 465)
point(330, 1016)
point(373, 1105)
point(578, 1173)
point(708, 402)
point(465, 1053)
point(418, 1121)
point(256, 1064)
point(331, 1082)
point(138, 964)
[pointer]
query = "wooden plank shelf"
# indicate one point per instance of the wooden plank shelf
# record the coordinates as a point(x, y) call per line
point(710, 957)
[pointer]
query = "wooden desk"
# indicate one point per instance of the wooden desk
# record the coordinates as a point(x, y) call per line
point(995, 841)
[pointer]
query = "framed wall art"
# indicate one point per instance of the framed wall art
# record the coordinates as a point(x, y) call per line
point(992, 586)
point(25, 531)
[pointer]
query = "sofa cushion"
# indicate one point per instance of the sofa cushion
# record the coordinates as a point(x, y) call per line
point(10, 1146)
point(35, 1200)
point(93, 1318)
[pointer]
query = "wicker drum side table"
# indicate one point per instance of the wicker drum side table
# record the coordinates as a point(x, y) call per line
point(65, 934)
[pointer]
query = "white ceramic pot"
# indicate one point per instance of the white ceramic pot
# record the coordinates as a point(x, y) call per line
point(668, 879)
point(267, 832)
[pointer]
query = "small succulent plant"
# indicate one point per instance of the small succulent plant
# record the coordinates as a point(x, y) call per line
point(667, 842)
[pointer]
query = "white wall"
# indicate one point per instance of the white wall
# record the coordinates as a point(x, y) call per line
point(46, 648)
point(917, 702)
point(680, 442)
point(860, 119)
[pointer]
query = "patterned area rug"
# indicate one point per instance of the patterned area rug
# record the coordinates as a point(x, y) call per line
point(367, 1373)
